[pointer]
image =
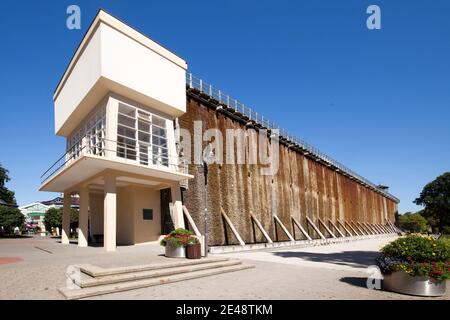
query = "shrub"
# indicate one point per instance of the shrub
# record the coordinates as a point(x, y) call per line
point(10, 218)
point(193, 240)
point(416, 255)
point(413, 222)
point(178, 238)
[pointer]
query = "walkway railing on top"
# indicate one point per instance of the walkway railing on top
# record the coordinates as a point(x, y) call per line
point(224, 99)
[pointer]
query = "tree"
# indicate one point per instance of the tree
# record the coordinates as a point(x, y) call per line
point(53, 218)
point(10, 218)
point(413, 222)
point(6, 194)
point(435, 197)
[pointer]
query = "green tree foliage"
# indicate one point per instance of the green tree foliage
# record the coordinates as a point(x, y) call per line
point(10, 218)
point(6, 194)
point(53, 218)
point(413, 222)
point(435, 197)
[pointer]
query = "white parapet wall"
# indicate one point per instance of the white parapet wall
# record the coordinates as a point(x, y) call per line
point(113, 57)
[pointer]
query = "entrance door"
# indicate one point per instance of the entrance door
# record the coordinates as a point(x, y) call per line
point(166, 220)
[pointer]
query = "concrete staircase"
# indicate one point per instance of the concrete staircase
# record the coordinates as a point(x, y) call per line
point(93, 281)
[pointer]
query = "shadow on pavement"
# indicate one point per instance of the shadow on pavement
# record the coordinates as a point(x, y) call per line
point(361, 259)
point(355, 281)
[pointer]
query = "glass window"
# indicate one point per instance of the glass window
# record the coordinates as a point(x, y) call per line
point(159, 131)
point(150, 143)
point(144, 137)
point(158, 141)
point(126, 121)
point(160, 122)
point(126, 132)
point(144, 126)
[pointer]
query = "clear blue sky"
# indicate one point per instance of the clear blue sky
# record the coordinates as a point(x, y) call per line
point(377, 101)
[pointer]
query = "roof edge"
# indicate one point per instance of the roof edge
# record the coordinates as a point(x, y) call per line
point(108, 19)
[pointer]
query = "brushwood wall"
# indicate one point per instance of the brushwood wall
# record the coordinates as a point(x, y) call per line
point(302, 187)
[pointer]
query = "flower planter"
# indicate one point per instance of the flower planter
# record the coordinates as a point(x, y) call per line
point(174, 252)
point(402, 282)
point(193, 251)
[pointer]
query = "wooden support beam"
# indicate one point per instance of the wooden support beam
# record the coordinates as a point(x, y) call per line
point(345, 228)
point(336, 228)
point(365, 228)
point(191, 221)
point(386, 230)
point(361, 231)
point(387, 227)
point(374, 225)
point(393, 226)
point(233, 229)
point(315, 228)
point(379, 229)
point(369, 227)
point(296, 223)
point(326, 228)
point(353, 229)
point(259, 225)
point(283, 227)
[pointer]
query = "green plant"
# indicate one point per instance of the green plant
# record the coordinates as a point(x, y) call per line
point(435, 197)
point(413, 222)
point(178, 238)
point(416, 255)
point(53, 218)
point(193, 241)
point(10, 218)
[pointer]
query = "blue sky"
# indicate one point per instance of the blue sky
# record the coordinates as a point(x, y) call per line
point(376, 100)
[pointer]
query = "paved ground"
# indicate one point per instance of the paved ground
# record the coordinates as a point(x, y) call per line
point(328, 272)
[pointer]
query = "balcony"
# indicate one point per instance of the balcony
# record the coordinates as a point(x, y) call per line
point(91, 155)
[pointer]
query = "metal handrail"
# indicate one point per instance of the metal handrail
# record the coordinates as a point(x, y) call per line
point(229, 102)
point(69, 156)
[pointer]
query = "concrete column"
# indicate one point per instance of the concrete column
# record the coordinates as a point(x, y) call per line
point(84, 217)
point(109, 223)
point(66, 218)
point(112, 107)
point(177, 212)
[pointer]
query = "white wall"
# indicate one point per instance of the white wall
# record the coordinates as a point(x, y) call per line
point(113, 61)
point(85, 74)
point(136, 67)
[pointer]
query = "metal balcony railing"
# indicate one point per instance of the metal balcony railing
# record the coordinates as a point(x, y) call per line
point(124, 151)
point(193, 82)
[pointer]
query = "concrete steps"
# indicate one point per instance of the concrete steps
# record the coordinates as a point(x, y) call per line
point(128, 278)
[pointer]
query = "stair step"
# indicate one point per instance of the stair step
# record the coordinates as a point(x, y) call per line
point(95, 271)
point(143, 283)
point(138, 275)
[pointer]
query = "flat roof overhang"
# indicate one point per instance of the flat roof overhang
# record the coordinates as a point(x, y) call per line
point(88, 166)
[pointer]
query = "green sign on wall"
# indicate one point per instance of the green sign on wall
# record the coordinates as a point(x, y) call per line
point(147, 214)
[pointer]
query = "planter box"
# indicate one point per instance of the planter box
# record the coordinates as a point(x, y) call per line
point(402, 282)
point(193, 251)
point(174, 252)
